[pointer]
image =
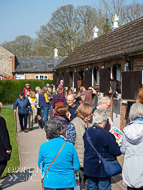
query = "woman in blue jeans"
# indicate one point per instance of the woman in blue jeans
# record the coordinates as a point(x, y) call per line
point(50, 98)
point(44, 104)
point(61, 173)
point(105, 144)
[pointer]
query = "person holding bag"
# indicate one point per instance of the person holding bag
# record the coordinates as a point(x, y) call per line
point(5, 147)
point(106, 147)
point(58, 159)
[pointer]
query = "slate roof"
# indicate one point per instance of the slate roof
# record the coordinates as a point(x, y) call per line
point(124, 40)
point(32, 65)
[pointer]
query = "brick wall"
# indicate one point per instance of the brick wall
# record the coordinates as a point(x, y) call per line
point(137, 62)
point(7, 63)
point(31, 75)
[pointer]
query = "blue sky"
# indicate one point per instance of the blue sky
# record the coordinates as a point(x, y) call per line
point(24, 17)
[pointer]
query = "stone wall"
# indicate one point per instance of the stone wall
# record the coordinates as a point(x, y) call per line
point(7, 64)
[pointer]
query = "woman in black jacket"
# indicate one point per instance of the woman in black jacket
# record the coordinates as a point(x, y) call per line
point(5, 147)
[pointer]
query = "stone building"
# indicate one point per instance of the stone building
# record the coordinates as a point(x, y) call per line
point(12, 67)
point(35, 68)
point(7, 64)
point(118, 54)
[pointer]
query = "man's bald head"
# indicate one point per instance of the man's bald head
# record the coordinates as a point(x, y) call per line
point(71, 100)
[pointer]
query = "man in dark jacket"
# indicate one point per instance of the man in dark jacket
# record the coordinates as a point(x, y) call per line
point(73, 105)
point(105, 103)
point(24, 108)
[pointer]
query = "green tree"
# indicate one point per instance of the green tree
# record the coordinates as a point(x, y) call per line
point(87, 16)
point(60, 32)
point(68, 28)
point(21, 47)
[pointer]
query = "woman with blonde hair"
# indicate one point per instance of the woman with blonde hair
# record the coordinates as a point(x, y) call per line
point(5, 147)
point(32, 115)
point(44, 104)
point(39, 92)
point(75, 132)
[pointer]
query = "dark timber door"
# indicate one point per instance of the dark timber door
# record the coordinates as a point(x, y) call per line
point(104, 80)
point(130, 84)
point(88, 78)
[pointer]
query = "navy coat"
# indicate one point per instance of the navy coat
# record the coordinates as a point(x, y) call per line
point(105, 144)
point(22, 105)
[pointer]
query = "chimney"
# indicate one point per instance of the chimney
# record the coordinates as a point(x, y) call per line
point(115, 20)
point(55, 53)
point(95, 31)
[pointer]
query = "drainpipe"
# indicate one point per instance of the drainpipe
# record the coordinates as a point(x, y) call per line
point(129, 63)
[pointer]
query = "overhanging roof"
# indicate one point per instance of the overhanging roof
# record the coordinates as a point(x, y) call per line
point(125, 40)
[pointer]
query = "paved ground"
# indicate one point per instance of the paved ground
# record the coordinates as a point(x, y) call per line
point(28, 176)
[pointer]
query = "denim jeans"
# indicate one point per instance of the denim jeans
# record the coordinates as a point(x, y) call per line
point(59, 189)
point(51, 110)
point(99, 183)
point(44, 113)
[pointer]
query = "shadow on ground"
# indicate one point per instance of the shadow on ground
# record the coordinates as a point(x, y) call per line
point(17, 177)
point(116, 178)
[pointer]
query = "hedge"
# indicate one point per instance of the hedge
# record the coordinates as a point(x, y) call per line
point(10, 89)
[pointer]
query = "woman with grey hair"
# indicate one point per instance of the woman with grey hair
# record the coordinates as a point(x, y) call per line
point(105, 144)
point(132, 148)
point(105, 103)
point(61, 173)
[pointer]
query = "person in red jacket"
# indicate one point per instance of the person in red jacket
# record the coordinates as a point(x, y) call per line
point(26, 90)
point(61, 86)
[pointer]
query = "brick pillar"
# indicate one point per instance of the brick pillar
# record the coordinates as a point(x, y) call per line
point(122, 116)
point(13, 63)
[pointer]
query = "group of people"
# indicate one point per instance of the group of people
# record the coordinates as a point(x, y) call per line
point(76, 153)
point(32, 104)
point(67, 153)
point(41, 104)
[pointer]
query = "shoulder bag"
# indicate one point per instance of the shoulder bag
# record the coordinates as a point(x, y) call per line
point(111, 166)
point(52, 163)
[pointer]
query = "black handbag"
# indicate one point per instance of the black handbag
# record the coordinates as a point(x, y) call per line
point(111, 166)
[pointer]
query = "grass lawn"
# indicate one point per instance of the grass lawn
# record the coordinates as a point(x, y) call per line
point(13, 163)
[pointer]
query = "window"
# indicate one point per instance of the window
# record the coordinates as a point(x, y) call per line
point(20, 75)
point(0, 78)
point(116, 72)
point(95, 76)
point(42, 77)
point(126, 67)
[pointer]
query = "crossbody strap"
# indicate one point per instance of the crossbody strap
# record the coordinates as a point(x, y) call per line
point(88, 139)
point(54, 159)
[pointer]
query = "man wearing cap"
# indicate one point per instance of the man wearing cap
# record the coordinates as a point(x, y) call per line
point(26, 90)
point(24, 107)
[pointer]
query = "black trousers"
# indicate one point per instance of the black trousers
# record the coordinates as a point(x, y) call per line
point(129, 188)
point(2, 167)
point(21, 117)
